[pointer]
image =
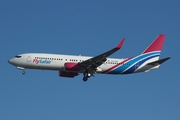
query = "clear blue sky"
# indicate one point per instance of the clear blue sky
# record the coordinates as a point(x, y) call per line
point(89, 27)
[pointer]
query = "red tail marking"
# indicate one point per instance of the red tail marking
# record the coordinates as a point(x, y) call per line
point(156, 45)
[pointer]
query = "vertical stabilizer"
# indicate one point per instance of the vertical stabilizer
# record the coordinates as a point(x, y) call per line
point(150, 56)
point(156, 45)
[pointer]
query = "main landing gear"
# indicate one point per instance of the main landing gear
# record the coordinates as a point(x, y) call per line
point(87, 75)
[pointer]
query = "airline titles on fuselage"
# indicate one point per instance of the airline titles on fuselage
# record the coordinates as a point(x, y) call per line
point(41, 61)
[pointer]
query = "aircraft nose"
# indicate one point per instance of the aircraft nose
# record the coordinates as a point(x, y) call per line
point(11, 61)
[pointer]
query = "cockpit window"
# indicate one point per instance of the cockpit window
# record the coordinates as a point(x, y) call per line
point(17, 56)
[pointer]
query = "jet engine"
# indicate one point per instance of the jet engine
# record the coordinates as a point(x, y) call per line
point(67, 74)
point(71, 66)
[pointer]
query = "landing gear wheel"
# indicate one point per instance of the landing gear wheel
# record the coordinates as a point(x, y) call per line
point(23, 72)
point(85, 79)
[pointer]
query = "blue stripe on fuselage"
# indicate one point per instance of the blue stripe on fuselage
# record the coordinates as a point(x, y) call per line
point(133, 68)
point(125, 66)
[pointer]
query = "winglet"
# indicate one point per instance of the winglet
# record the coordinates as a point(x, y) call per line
point(120, 44)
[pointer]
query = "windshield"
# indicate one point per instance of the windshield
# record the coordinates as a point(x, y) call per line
point(17, 56)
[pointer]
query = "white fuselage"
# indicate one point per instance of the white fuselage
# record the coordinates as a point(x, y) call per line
point(55, 61)
point(71, 65)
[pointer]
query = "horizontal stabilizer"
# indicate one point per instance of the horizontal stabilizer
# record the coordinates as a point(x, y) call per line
point(158, 62)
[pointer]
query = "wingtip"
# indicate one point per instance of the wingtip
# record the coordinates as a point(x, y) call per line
point(169, 57)
point(120, 44)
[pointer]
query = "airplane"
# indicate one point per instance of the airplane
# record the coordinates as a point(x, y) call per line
point(70, 65)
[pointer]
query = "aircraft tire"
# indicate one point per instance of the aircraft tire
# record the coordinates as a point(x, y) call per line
point(85, 79)
point(23, 72)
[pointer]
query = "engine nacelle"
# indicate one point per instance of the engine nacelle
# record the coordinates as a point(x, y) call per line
point(71, 66)
point(67, 74)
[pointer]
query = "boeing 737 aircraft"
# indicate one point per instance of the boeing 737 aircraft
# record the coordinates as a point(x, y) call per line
point(71, 65)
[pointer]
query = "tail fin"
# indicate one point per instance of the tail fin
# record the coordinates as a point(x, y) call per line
point(156, 45)
point(150, 56)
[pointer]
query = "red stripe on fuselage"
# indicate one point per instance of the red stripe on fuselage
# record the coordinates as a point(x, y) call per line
point(117, 65)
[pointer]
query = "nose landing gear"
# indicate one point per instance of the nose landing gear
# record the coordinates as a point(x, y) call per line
point(23, 72)
point(22, 68)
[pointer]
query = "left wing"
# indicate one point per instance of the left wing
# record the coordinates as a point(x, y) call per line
point(93, 63)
